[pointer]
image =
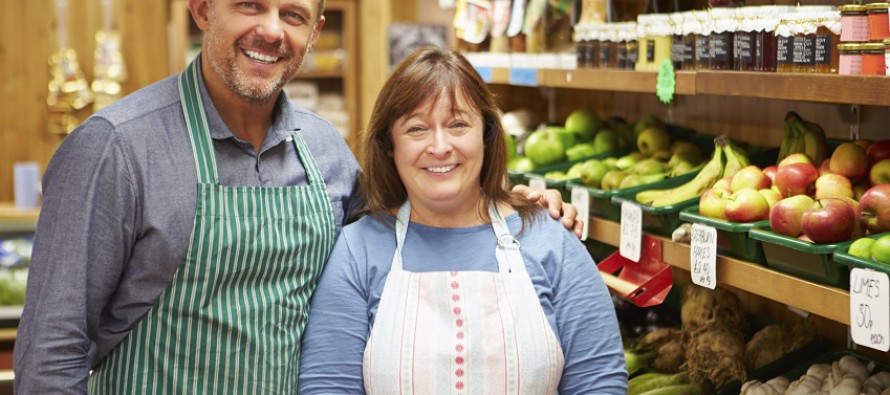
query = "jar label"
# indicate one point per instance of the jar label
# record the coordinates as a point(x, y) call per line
point(721, 47)
point(854, 28)
point(702, 48)
point(592, 54)
point(804, 53)
point(632, 56)
point(604, 54)
point(677, 48)
point(744, 49)
point(850, 65)
point(622, 56)
point(650, 51)
point(822, 52)
point(688, 51)
point(785, 50)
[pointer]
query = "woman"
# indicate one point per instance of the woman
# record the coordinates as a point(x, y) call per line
point(433, 293)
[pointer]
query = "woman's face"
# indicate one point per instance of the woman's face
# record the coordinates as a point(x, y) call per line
point(438, 154)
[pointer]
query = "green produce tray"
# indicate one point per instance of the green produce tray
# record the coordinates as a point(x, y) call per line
point(814, 262)
point(521, 177)
point(844, 258)
point(601, 201)
point(658, 220)
point(732, 237)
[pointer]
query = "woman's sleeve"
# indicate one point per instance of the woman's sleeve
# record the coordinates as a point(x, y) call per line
point(588, 326)
point(335, 337)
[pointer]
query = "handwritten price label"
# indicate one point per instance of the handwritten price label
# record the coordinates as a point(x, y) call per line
point(703, 256)
point(537, 184)
point(581, 201)
point(631, 231)
point(870, 309)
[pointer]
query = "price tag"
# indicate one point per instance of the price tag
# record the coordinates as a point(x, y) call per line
point(485, 73)
point(524, 76)
point(665, 82)
point(581, 201)
point(537, 183)
point(631, 231)
point(870, 308)
point(703, 256)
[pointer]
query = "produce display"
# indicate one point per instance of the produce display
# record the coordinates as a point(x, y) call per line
point(877, 250)
point(847, 375)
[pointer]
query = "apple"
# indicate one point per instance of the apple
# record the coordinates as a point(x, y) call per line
point(592, 172)
point(771, 195)
point(545, 147)
point(805, 238)
point(861, 248)
point(878, 151)
point(612, 180)
point(652, 140)
point(833, 186)
point(797, 179)
point(770, 172)
point(825, 167)
point(785, 216)
point(859, 189)
point(725, 183)
point(750, 177)
point(713, 203)
point(829, 221)
point(747, 205)
point(584, 124)
point(863, 143)
point(798, 157)
point(880, 250)
point(880, 172)
point(874, 209)
point(605, 140)
point(849, 160)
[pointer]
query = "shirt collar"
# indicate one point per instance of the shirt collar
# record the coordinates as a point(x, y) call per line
point(284, 122)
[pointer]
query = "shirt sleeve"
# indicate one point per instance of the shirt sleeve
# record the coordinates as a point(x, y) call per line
point(83, 238)
point(338, 327)
point(588, 326)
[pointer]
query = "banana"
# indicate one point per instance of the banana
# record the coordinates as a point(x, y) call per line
point(794, 136)
point(735, 160)
point(705, 179)
point(815, 142)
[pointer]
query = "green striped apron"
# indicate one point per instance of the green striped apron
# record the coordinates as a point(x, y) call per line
point(231, 320)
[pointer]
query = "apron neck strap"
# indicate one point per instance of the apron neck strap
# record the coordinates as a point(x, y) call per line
point(196, 121)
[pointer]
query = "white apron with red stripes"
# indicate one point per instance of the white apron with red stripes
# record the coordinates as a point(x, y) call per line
point(470, 332)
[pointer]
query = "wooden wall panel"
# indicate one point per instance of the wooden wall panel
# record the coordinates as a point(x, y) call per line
point(28, 37)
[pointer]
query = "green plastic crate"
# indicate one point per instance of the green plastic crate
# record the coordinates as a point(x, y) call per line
point(601, 201)
point(659, 220)
point(732, 237)
point(844, 258)
point(519, 177)
point(814, 262)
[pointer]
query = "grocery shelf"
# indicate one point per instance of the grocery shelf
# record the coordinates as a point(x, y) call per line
point(829, 302)
point(15, 220)
point(823, 88)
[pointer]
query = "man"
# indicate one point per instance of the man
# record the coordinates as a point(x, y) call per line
point(184, 227)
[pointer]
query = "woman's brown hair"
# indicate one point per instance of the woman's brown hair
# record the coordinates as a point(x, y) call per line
point(416, 79)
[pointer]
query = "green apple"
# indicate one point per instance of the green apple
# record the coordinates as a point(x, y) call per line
point(579, 151)
point(511, 146)
point(584, 124)
point(645, 122)
point(627, 161)
point(556, 175)
point(861, 248)
point(880, 250)
point(686, 150)
point(684, 167)
point(612, 180)
point(649, 166)
point(544, 148)
point(605, 140)
point(520, 164)
point(611, 163)
point(566, 137)
point(592, 173)
point(652, 140)
point(575, 171)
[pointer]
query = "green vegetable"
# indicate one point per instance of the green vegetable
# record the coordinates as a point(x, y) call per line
point(681, 389)
point(651, 381)
point(636, 361)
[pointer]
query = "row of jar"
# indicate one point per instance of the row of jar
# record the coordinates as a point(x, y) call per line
point(764, 38)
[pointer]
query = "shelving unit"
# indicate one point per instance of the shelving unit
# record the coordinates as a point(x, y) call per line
point(13, 220)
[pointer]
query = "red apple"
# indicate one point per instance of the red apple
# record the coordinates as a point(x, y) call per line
point(878, 151)
point(797, 179)
point(713, 203)
point(880, 172)
point(771, 195)
point(750, 177)
point(874, 209)
point(824, 168)
point(833, 186)
point(725, 183)
point(863, 143)
point(849, 160)
point(770, 172)
point(859, 189)
point(798, 157)
point(747, 205)
point(829, 221)
point(785, 216)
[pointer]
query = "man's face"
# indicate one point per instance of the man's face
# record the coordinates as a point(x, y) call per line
point(255, 47)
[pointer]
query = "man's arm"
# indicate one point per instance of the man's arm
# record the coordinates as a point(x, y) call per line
point(83, 238)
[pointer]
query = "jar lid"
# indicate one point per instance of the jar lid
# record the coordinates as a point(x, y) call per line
point(877, 6)
point(850, 46)
point(873, 47)
point(851, 8)
point(886, 41)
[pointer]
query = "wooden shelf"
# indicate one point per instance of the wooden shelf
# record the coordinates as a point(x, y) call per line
point(821, 88)
point(15, 220)
point(828, 302)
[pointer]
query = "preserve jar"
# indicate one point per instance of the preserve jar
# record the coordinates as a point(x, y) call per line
point(850, 59)
point(878, 28)
point(804, 55)
point(828, 36)
point(785, 43)
point(654, 40)
point(632, 45)
point(605, 52)
point(873, 62)
point(677, 46)
point(592, 38)
point(690, 26)
point(854, 23)
point(744, 46)
point(702, 40)
point(721, 38)
point(579, 37)
point(621, 49)
point(766, 21)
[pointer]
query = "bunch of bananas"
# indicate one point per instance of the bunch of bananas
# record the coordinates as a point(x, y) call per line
point(804, 137)
point(726, 162)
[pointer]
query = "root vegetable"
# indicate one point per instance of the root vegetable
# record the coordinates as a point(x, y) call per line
point(806, 385)
point(704, 307)
point(715, 355)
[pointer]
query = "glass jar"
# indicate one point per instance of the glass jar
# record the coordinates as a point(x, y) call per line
point(886, 56)
point(744, 47)
point(633, 50)
point(766, 21)
point(677, 46)
point(592, 38)
point(603, 47)
point(579, 37)
point(690, 25)
point(828, 36)
point(854, 23)
point(873, 59)
point(850, 59)
point(721, 39)
point(785, 43)
point(654, 34)
point(613, 47)
point(878, 28)
point(804, 55)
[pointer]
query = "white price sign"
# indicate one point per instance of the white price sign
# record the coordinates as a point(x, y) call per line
point(581, 201)
point(631, 231)
point(703, 256)
point(870, 309)
point(537, 184)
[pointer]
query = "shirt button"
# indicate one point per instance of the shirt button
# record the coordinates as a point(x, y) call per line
point(289, 138)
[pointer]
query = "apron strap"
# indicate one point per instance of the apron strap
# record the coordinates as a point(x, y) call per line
point(506, 252)
point(196, 121)
point(313, 174)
